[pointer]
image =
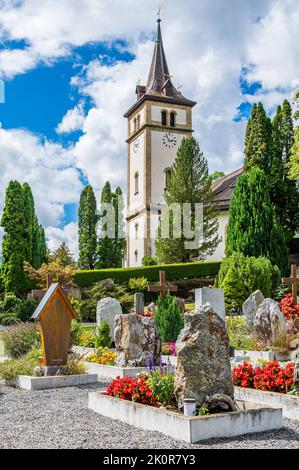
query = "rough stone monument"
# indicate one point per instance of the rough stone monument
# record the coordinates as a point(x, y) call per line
point(203, 362)
point(136, 341)
point(270, 324)
point(138, 303)
point(107, 309)
point(215, 297)
point(251, 305)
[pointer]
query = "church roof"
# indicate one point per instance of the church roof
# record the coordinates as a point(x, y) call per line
point(159, 85)
point(223, 189)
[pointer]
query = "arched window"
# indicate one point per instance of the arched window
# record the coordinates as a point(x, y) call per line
point(136, 182)
point(136, 256)
point(136, 231)
point(135, 124)
point(167, 172)
point(172, 119)
point(138, 121)
point(164, 118)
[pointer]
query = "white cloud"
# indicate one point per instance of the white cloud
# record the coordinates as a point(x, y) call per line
point(69, 234)
point(72, 121)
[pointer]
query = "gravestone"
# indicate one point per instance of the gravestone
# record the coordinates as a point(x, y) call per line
point(136, 341)
point(251, 305)
point(107, 309)
point(214, 297)
point(203, 362)
point(55, 314)
point(270, 324)
point(139, 303)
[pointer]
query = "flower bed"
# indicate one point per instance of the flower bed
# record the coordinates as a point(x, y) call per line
point(287, 307)
point(103, 356)
point(266, 377)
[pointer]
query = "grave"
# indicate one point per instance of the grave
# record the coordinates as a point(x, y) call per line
point(139, 303)
point(215, 297)
point(162, 288)
point(107, 310)
point(293, 281)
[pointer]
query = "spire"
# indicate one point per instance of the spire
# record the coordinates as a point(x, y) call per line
point(159, 79)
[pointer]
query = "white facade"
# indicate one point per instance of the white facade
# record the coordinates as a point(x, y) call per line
point(219, 253)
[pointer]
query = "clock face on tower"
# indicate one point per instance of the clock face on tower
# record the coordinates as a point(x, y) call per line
point(169, 140)
point(136, 146)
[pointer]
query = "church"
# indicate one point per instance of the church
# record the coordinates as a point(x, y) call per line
point(158, 121)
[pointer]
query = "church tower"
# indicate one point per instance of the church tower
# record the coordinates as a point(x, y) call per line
point(157, 124)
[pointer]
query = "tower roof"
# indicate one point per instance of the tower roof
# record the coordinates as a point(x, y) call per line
point(159, 85)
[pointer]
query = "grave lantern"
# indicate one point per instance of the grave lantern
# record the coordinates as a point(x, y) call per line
point(55, 314)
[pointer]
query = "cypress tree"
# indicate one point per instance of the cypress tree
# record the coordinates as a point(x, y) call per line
point(87, 229)
point(258, 139)
point(39, 255)
point(189, 182)
point(106, 242)
point(13, 245)
point(120, 242)
point(254, 228)
point(29, 219)
point(293, 165)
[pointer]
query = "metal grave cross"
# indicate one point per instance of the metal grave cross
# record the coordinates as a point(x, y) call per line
point(293, 281)
point(162, 288)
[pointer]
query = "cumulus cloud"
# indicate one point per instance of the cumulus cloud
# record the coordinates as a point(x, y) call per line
point(72, 121)
point(69, 234)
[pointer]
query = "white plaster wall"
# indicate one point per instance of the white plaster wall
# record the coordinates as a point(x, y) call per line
point(137, 164)
point(162, 158)
point(219, 254)
point(136, 244)
point(181, 114)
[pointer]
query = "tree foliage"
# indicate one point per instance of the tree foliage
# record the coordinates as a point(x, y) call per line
point(87, 229)
point(189, 182)
point(169, 319)
point(294, 159)
point(60, 273)
point(63, 255)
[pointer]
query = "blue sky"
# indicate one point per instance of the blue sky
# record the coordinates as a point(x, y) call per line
point(70, 69)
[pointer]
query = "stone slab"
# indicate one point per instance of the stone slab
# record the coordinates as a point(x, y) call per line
point(254, 356)
point(215, 297)
point(112, 372)
point(288, 403)
point(252, 419)
point(26, 382)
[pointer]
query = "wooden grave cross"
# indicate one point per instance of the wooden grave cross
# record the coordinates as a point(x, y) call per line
point(162, 288)
point(293, 281)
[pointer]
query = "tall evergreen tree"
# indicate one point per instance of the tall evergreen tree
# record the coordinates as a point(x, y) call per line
point(40, 251)
point(106, 242)
point(293, 165)
point(189, 182)
point(258, 139)
point(87, 229)
point(120, 242)
point(254, 228)
point(63, 255)
point(13, 245)
point(29, 219)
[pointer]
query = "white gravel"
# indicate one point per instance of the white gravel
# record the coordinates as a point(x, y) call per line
point(57, 419)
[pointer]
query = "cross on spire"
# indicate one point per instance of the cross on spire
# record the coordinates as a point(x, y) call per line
point(162, 288)
point(293, 281)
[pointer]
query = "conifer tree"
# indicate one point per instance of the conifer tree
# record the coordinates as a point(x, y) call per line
point(120, 242)
point(254, 228)
point(189, 182)
point(63, 255)
point(87, 229)
point(13, 245)
point(106, 242)
point(29, 219)
point(40, 251)
point(258, 139)
point(293, 165)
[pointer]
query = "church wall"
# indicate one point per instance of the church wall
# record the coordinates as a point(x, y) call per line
point(141, 113)
point(162, 158)
point(136, 244)
point(220, 250)
point(137, 166)
point(181, 114)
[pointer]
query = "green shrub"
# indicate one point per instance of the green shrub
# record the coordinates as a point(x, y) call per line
point(24, 365)
point(76, 331)
point(240, 275)
point(162, 386)
point(103, 338)
point(169, 319)
point(173, 271)
point(8, 319)
point(20, 339)
point(9, 303)
point(139, 284)
point(25, 310)
point(149, 261)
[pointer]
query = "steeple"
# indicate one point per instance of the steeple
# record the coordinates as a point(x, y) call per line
point(159, 79)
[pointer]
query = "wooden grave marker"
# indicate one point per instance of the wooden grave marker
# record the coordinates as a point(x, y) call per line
point(293, 281)
point(55, 314)
point(162, 288)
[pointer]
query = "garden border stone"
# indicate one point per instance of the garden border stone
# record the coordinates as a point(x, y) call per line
point(288, 403)
point(253, 419)
point(26, 382)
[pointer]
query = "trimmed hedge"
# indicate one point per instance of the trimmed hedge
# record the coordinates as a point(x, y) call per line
point(173, 272)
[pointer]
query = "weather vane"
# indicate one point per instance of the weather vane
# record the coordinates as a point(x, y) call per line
point(159, 11)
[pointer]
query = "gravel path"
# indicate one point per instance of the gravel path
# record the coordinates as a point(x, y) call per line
point(60, 419)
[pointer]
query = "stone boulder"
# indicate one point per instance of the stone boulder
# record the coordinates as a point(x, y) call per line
point(136, 341)
point(107, 310)
point(251, 305)
point(203, 362)
point(270, 324)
